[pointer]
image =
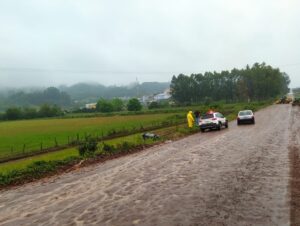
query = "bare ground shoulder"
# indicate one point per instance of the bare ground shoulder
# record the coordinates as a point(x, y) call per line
point(294, 148)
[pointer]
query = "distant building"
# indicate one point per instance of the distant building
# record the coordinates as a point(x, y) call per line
point(163, 96)
point(91, 106)
point(145, 99)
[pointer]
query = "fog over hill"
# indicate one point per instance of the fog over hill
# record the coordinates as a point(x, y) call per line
point(66, 96)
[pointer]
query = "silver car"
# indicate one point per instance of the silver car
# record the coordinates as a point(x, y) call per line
point(245, 116)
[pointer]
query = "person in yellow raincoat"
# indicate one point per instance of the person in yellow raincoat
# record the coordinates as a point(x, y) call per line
point(190, 119)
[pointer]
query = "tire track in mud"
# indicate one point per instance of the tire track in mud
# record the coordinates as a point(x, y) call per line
point(238, 176)
point(294, 148)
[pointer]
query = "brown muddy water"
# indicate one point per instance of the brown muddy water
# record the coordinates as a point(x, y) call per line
point(244, 175)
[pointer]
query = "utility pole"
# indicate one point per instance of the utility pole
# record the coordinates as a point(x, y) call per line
point(137, 87)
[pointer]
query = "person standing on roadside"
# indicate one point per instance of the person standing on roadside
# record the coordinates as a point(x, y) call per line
point(197, 117)
point(190, 119)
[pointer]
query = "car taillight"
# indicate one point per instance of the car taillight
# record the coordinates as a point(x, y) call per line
point(214, 118)
point(238, 118)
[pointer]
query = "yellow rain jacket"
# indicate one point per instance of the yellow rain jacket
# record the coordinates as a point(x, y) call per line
point(190, 119)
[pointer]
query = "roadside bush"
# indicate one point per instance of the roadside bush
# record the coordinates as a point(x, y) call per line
point(125, 146)
point(108, 148)
point(41, 167)
point(88, 147)
point(35, 170)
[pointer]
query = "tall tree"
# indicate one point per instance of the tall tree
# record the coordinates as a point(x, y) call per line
point(258, 82)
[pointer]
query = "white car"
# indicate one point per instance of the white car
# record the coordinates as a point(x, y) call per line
point(245, 116)
point(212, 120)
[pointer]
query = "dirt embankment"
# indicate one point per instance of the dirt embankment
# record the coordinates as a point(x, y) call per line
point(237, 176)
point(294, 147)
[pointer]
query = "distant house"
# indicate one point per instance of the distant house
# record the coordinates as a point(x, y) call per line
point(91, 106)
point(145, 99)
point(163, 96)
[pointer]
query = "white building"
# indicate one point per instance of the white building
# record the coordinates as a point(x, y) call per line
point(91, 106)
point(163, 96)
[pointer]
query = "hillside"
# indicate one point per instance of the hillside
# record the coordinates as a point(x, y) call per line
point(66, 96)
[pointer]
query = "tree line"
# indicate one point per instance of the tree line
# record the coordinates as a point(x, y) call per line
point(117, 105)
point(51, 96)
point(259, 82)
point(15, 113)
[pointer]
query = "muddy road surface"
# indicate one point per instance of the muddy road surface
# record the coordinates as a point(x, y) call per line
point(237, 176)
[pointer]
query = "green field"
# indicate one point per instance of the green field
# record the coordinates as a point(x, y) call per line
point(7, 167)
point(32, 134)
point(27, 136)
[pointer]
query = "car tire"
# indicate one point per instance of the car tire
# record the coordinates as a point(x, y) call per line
point(253, 121)
point(219, 126)
point(238, 123)
point(202, 130)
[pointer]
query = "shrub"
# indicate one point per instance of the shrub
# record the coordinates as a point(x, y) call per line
point(153, 105)
point(13, 113)
point(134, 105)
point(35, 170)
point(118, 104)
point(88, 147)
point(105, 106)
point(108, 148)
point(125, 146)
point(49, 111)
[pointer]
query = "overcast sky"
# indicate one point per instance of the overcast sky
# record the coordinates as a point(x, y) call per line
point(53, 42)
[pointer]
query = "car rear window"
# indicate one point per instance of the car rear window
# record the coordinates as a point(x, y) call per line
point(207, 116)
point(242, 113)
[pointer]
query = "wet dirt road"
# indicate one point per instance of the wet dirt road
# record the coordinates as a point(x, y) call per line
point(237, 176)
